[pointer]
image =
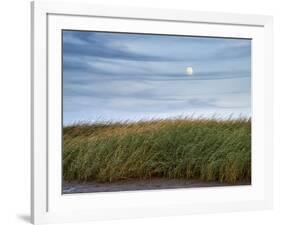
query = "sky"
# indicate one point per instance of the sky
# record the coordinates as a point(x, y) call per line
point(129, 77)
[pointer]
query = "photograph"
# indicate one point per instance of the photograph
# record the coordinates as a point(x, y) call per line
point(144, 111)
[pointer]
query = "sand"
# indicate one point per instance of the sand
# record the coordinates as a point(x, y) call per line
point(136, 184)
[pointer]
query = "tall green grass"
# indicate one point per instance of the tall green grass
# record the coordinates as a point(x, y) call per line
point(206, 149)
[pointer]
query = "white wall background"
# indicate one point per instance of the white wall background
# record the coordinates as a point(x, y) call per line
point(15, 109)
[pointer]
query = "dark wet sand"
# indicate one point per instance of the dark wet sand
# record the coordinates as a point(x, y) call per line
point(136, 184)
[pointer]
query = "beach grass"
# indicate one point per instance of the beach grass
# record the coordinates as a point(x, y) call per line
point(184, 148)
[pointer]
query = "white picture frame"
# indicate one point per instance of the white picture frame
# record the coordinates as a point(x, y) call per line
point(48, 205)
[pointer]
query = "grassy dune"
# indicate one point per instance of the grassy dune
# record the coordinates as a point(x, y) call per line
point(210, 150)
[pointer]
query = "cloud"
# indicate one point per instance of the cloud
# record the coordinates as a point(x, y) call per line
point(133, 47)
point(130, 76)
point(93, 46)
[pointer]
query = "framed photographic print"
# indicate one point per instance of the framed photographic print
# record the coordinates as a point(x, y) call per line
point(147, 112)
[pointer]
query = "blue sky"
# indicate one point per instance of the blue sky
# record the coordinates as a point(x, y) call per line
point(120, 76)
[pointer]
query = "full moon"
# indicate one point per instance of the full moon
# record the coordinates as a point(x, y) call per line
point(189, 71)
